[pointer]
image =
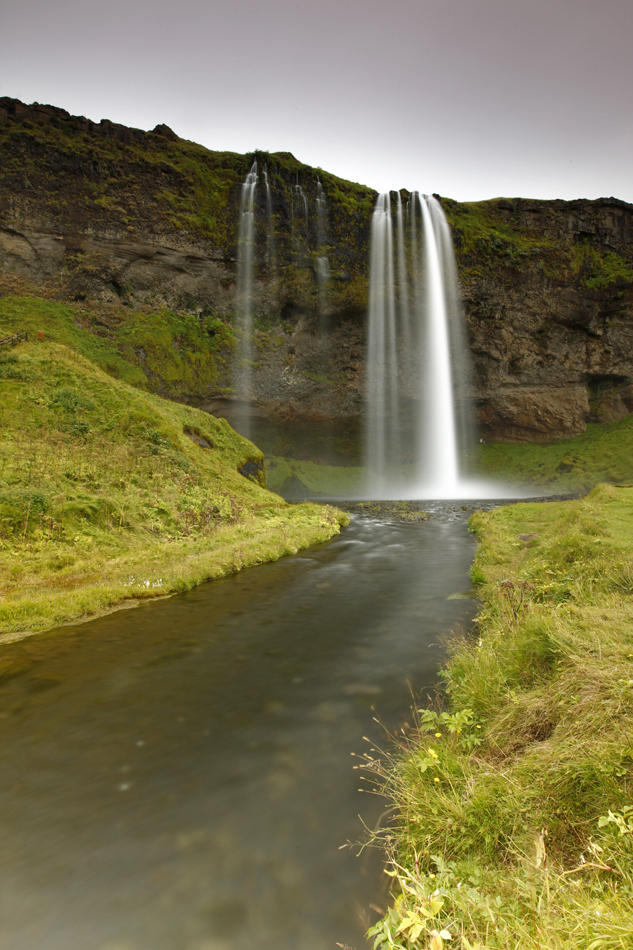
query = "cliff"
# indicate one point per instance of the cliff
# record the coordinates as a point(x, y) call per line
point(129, 224)
point(548, 294)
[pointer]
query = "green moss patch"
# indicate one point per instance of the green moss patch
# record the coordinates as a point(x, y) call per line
point(175, 355)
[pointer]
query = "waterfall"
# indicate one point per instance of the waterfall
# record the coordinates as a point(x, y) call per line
point(270, 235)
point(322, 263)
point(299, 229)
point(383, 430)
point(423, 351)
point(404, 303)
point(438, 462)
point(242, 373)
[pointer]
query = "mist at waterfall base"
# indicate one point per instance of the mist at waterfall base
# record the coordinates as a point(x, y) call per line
point(419, 420)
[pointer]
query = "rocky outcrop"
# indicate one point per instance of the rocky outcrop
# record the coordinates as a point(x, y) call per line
point(122, 217)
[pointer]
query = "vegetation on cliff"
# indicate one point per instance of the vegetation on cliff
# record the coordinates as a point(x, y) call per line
point(108, 493)
point(503, 238)
point(172, 354)
point(515, 824)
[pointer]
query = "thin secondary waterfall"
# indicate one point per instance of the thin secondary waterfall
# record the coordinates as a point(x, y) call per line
point(270, 234)
point(299, 219)
point(322, 263)
point(242, 375)
point(414, 353)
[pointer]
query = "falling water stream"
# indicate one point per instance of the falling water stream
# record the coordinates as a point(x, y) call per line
point(270, 227)
point(438, 462)
point(416, 349)
point(382, 361)
point(179, 776)
point(322, 262)
point(242, 372)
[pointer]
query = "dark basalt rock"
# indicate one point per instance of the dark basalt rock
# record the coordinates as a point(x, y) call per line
point(253, 469)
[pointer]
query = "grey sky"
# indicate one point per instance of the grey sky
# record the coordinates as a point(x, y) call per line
point(469, 98)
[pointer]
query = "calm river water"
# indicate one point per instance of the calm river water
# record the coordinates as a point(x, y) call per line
point(179, 776)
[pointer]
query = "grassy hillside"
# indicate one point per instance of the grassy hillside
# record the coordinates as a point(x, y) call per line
point(109, 493)
point(516, 823)
point(288, 476)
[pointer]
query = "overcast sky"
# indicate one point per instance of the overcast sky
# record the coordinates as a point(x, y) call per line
point(469, 98)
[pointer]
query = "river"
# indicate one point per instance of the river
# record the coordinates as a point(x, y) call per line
point(179, 776)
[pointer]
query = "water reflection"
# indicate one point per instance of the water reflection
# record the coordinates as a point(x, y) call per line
point(178, 776)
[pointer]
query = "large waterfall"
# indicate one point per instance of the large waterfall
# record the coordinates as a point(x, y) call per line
point(417, 362)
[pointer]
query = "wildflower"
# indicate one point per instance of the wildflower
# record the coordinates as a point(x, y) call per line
point(436, 779)
point(438, 735)
point(433, 753)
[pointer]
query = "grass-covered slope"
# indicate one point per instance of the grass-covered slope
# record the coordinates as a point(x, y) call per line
point(301, 477)
point(109, 493)
point(516, 827)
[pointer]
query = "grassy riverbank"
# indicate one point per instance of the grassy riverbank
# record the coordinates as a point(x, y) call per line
point(516, 827)
point(108, 493)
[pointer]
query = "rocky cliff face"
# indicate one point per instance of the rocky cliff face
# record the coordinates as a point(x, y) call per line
point(121, 218)
point(548, 293)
